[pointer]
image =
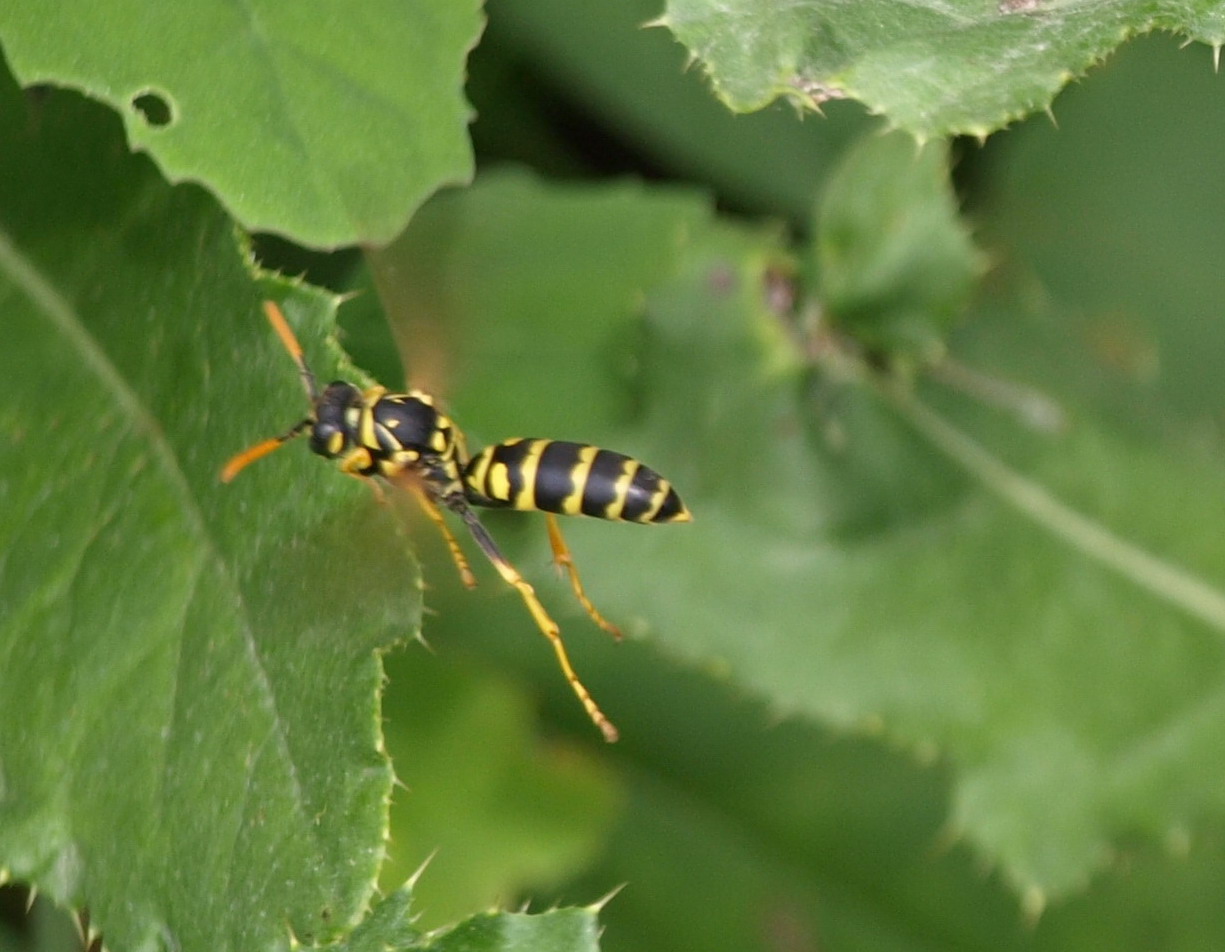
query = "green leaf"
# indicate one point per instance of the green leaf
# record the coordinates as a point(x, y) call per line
point(635, 83)
point(970, 618)
point(330, 127)
point(440, 325)
point(1043, 620)
point(390, 926)
point(739, 826)
point(488, 812)
point(752, 827)
point(896, 266)
point(188, 671)
point(561, 930)
point(965, 67)
point(1132, 258)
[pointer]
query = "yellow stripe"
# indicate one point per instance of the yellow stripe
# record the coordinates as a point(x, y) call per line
point(495, 479)
point(620, 489)
point(477, 475)
point(366, 421)
point(366, 429)
point(658, 499)
point(572, 505)
point(526, 500)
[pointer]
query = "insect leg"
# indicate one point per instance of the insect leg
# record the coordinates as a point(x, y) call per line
point(457, 554)
point(354, 465)
point(564, 560)
point(548, 627)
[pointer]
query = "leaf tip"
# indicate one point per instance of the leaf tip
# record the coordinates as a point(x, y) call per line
point(979, 132)
point(415, 876)
point(598, 906)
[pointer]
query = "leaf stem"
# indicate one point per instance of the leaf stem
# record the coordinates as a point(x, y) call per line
point(1170, 582)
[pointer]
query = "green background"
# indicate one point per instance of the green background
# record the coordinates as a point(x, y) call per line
point(938, 663)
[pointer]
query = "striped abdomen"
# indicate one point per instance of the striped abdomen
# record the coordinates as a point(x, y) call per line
point(570, 479)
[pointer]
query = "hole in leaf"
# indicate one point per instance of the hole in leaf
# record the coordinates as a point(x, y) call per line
point(154, 108)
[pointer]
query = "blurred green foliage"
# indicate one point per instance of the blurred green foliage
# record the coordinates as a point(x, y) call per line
point(939, 662)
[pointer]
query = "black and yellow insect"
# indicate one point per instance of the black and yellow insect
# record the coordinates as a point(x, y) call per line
point(407, 441)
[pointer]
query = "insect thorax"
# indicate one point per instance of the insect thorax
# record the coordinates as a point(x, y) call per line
point(405, 432)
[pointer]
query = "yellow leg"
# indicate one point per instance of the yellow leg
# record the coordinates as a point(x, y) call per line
point(548, 627)
point(563, 559)
point(411, 482)
point(352, 465)
point(457, 554)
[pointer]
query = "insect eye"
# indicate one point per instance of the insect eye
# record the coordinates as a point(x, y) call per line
point(327, 439)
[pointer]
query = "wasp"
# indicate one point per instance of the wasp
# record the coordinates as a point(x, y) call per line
point(406, 441)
